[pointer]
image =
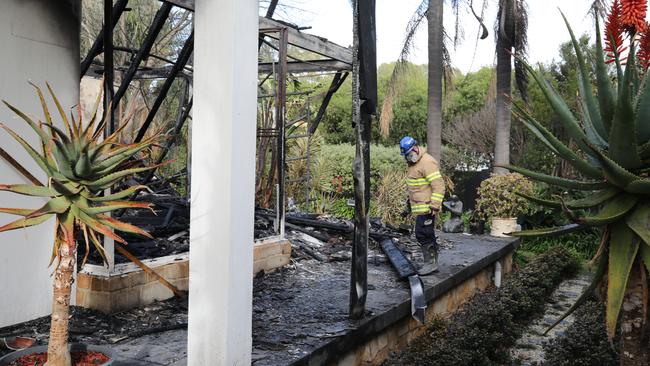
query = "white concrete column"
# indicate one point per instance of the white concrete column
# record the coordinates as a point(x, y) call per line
point(223, 164)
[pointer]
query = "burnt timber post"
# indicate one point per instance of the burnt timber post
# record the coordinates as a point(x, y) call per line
point(96, 48)
point(109, 72)
point(280, 124)
point(364, 70)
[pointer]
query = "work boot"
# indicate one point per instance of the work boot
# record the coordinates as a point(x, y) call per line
point(430, 256)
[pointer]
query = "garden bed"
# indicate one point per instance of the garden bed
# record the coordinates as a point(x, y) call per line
point(484, 330)
point(585, 342)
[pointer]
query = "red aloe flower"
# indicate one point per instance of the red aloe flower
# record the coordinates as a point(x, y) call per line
point(644, 48)
point(633, 15)
point(614, 29)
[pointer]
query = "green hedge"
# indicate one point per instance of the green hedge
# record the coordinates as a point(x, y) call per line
point(338, 160)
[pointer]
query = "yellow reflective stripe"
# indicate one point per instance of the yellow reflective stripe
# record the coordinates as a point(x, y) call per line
point(416, 180)
point(421, 210)
point(438, 195)
point(439, 199)
point(417, 184)
point(433, 176)
point(420, 206)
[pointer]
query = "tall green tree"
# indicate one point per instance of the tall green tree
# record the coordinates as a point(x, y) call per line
point(439, 67)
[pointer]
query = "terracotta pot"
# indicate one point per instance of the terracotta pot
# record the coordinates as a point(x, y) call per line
point(6, 360)
point(501, 226)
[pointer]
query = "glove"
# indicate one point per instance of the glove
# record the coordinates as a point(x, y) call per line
point(407, 209)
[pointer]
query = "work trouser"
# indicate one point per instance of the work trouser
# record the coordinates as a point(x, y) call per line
point(425, 231)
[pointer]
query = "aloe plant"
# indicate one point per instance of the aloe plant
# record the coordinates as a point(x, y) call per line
point(80, 166)
point(612, 135)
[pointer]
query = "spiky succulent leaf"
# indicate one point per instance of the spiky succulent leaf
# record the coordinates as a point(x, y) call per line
point(560, 182)
point(549, 231)
point(80, 166)
point(643, 112)
point(568, 120)
point(16, 211)
point(556, 145)
point(122, 226)
point(639, 222)
point(585, 85)
point(641, 186)
point(612, 211)
point(118, 195)
point(622, 251)
point(644, 253)
point(25, 223)
point(614, 173)
point(591, 201)
point(622, 135)
point(606, 94)
point(29, 190)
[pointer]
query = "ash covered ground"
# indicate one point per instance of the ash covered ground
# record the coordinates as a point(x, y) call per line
point(295, 309)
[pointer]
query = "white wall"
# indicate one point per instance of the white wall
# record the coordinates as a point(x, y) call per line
point(39, 42)
point(223, 183)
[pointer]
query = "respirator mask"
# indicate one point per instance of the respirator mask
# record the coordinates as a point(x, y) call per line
point(411, 157)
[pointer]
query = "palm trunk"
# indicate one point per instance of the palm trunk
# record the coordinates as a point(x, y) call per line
point(504, 77)
point(57, 351)
point(634, 343)
point(434, 92)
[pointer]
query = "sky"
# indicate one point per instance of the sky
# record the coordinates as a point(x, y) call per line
point(332, 19)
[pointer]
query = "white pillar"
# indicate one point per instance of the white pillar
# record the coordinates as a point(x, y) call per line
point(223, 164)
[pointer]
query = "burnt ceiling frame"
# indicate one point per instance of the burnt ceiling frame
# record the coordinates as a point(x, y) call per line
point(332, 58)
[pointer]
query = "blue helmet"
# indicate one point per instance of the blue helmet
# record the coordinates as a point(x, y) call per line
point(407, 144)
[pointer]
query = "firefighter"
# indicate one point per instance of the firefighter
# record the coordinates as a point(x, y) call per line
point(426, 190)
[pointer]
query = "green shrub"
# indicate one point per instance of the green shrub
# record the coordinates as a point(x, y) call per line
point(498, 198)
point(582, 245)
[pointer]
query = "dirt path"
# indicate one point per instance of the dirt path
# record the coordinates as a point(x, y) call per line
point(528, 350)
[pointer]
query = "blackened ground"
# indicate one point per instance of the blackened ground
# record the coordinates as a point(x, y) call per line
point(93, 327)
point(304, 307)
point(154, 248)
point(297, 310)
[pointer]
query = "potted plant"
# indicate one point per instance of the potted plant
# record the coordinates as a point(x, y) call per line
point(499, 203)
point(80, 166)
point(612, 134)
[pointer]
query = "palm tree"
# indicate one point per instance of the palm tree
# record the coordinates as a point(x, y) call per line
point(511, 38)
point(439, 66)
point(434, 89)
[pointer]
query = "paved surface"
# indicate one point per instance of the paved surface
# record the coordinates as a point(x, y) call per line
point(168, 348)
point(305, 308)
